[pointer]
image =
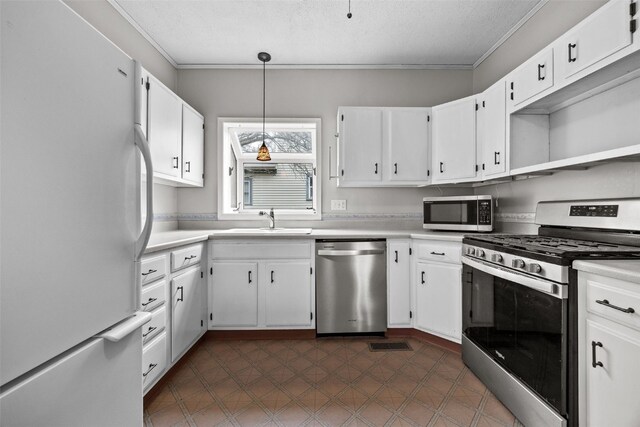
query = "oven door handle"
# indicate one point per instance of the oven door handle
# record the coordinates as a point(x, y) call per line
point(554, 289)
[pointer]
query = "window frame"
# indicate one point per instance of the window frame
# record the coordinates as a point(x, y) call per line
point(226, 129)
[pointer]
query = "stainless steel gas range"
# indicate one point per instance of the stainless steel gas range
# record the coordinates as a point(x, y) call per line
point(520, 303)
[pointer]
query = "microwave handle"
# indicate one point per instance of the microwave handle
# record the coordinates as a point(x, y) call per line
point(554, 289)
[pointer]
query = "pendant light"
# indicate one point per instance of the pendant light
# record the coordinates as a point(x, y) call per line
point(263, 151)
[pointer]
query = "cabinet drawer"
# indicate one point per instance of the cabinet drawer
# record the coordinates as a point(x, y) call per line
point(253, 250)
point(153, 296)
point(155, 326)
point(185, 257)
point(152, 269)
point(440, 251)
point(608, 302)
point(154, 359)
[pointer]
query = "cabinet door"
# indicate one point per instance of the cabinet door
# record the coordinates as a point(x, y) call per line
point(454, 140)
point(491, 135)
point(408, 145)
point(192, 145)
point(187, 318)
point(360, 131)
point(164, 128)
point(611, 389)
point(531, 78)
point(399, 283)
point(600, 35)
point(439, 300)
point(287, 288)
point(234, 294)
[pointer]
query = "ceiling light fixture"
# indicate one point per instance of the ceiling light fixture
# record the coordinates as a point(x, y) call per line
point(349, 15)
point(263, 151)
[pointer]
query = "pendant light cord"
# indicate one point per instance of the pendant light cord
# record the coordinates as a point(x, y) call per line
point(264, 91)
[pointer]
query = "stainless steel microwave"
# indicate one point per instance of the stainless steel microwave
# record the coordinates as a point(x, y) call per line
point(460, 213)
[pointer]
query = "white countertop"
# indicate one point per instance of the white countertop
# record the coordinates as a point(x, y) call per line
point(622, 269)
point(170, 239)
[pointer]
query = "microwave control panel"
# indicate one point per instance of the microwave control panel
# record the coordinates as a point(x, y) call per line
point(484, 212)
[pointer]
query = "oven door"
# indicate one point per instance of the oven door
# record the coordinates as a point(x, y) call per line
point(521, 323)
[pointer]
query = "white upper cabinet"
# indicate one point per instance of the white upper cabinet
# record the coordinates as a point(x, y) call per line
point(408, 145)
point(192, 145)
point(600, 35)
point(383, 146)
point(454, 141)
point(175, 132)
point(360, 131)
point(491, 131)
point(163, 128)
point(531, 78)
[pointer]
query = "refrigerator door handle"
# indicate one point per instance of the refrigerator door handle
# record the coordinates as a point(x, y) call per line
point(124, 328)
point(143, 146)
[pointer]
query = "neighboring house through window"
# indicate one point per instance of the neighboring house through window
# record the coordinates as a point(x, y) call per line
point(286, 183)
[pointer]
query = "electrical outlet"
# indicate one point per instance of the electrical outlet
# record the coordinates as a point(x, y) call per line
point(338, 205)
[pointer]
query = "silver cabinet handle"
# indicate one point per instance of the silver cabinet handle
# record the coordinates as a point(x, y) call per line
point(176, 164)
point(328, 252)
point(188, 166)
point(149, 272)
point(151, 366)
point(181, 289)
point(144, 304)
point(438, 253)
point(606, 303)
point(151, 329)
point(187, 258)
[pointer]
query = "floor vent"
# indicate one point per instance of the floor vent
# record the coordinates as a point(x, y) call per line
point(390, 346)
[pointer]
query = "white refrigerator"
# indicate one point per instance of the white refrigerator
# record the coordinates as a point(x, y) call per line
point(70, 338)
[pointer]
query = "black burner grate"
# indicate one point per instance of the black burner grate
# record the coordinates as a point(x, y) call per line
point(390, 346)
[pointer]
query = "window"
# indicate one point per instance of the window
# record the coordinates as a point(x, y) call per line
point(247, 198)
point(286, 183)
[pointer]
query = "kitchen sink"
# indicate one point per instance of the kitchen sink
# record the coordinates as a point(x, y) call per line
point(270, 230)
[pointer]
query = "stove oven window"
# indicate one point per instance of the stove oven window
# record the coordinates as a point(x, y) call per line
point(521, 329)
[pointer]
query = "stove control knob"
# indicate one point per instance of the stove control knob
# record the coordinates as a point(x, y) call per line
point(480, 253)
point(496, 258)
point(517, 263)
point(534, 268)
point(471, 251)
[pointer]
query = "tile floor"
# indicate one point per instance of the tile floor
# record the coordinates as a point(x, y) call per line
point(323, 382)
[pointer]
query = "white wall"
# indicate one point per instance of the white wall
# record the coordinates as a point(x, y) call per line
point(313, 93)
point(520, 197)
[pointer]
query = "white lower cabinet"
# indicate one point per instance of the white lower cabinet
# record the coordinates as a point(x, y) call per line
point(609, 350)
point(176, 299)
point(288, 293)
point(234, 293)
point(611, 388)
point(187, 318)
point(257, 284)
point(399, 307)
point(438, 289)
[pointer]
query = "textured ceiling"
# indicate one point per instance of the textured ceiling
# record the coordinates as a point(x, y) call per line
point(317, 32)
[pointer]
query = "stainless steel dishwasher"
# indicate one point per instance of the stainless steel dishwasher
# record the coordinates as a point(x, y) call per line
point(351, 286)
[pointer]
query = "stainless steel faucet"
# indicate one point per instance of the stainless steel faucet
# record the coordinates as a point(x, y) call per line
point(272, 218)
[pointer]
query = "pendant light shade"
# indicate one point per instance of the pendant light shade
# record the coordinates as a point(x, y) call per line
point(263, 151)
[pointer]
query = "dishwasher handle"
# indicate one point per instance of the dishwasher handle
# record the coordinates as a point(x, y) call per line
point(350, 252)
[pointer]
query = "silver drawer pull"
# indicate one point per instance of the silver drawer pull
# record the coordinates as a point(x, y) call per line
point(605, 302)
point(189, 257)
point(144, 304)
point(149, 272)
point(438, 253)
point(151, 366)
point(151, 329)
